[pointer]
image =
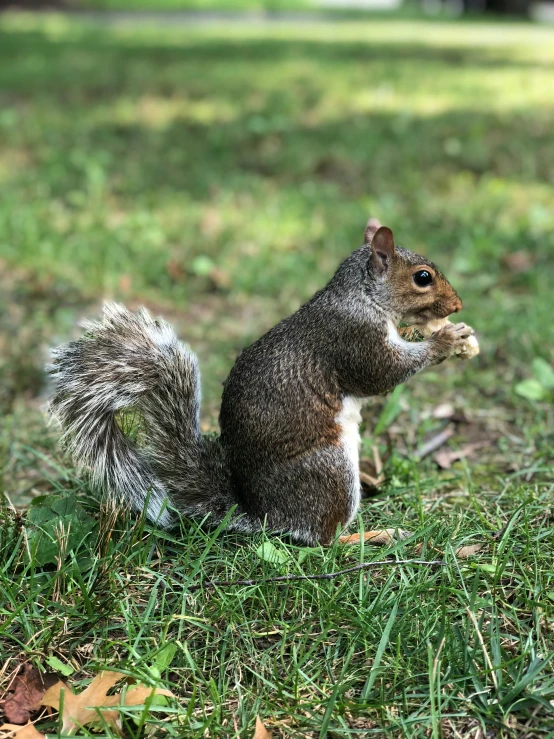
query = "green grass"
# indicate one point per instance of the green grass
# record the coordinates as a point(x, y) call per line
point(218, 176)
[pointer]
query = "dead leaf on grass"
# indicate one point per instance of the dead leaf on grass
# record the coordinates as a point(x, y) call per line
point(80, 710)
point(519, 261)
point(261, 732)
point(25, 693)
point(20, 732)
point(445, 458)
point(443, 411)
point(468, 551)
point(380, 537)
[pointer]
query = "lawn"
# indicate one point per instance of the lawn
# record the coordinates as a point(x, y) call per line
point(218, 175)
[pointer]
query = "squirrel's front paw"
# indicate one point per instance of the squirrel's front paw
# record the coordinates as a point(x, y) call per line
point(450, 339)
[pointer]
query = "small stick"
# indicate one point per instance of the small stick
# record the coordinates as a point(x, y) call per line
point(324, 576)
point(435, 443)
point(368, 480)
point(377, 460)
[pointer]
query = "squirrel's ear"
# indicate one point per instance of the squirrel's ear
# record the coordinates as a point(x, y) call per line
point(382, 250)
point(372, 227)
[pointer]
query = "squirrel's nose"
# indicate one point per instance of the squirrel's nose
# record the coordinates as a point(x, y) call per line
point(456, 305)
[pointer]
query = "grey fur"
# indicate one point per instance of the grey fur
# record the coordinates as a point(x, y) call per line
point(280, 459)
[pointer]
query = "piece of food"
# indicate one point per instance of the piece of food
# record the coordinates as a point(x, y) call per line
point(432, 327)
point(468, 350)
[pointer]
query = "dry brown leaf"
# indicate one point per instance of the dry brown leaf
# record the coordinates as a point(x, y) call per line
point(261, 732)
point(464, 552)
point(446, 457)
point(519, 261)
point(380, 537)
point(141, 693)
point(80, 710)
point(20, 732)
point(443, 411)
point(25, 692)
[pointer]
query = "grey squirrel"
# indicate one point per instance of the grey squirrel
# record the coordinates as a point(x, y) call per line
point(287, 456)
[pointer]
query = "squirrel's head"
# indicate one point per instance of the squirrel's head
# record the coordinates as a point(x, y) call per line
point(414, 288)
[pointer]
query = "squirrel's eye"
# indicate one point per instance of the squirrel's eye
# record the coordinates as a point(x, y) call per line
point(422, 278)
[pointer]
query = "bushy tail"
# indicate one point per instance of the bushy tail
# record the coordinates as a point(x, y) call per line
point(130, 364)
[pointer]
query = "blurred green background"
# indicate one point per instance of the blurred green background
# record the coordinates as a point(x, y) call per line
point(219, 173)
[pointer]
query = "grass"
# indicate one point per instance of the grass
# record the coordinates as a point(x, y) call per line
point(218, 176)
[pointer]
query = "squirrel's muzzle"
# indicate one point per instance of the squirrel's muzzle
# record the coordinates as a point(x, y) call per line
point(456, 305)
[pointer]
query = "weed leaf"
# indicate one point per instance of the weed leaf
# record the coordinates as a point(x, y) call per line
point(59, 666)
point(543, 372)
point(270, 553)
point(531, 389)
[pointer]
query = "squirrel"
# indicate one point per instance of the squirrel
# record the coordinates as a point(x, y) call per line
point(286, 459)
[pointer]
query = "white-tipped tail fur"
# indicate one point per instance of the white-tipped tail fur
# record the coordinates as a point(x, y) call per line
point(129, 361)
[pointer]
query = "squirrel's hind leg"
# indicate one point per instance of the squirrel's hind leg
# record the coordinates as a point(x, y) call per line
point(323, 497)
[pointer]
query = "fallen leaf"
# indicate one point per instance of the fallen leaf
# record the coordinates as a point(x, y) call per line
point(21, 732)
point(261, 732)
point(380, 537)
point(25, 692)
point(519, 261)
point(80, 710)
point(135, 696)
point(464, 552)
point(446, 457)
point(443, 411)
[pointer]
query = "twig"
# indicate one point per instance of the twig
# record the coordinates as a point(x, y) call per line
point(378, 464)
point(434, 443)
point(368, 480)
point(323, 576)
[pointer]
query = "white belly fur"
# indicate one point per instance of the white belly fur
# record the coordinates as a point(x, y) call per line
point(349, 420)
